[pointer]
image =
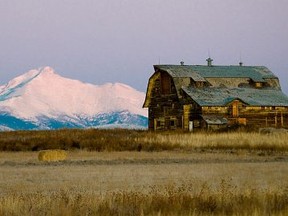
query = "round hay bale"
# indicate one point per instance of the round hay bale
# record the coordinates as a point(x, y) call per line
point(52, 155)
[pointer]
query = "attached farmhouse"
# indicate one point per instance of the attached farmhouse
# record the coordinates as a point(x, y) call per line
point(209, 97)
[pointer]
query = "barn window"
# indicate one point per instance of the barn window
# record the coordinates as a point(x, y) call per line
point(158, 123)
point(199, 84)
point(196, 123)
point(172, 123)
point(258, 84)
point(165, 83)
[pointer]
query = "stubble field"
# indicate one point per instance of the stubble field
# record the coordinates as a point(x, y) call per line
point(179, 181)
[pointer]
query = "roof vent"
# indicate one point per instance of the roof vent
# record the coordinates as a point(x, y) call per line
point(182, 63)
point(209, 62)
point(240, 64)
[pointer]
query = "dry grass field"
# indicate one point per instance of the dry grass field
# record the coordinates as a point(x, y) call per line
point(186, 174)
point(102, 179)
point(130, 140)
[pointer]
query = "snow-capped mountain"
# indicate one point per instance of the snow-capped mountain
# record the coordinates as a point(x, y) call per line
point(42, 99)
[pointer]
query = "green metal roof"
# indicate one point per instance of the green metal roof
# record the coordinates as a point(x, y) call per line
point(217, 96)
point(200, 72)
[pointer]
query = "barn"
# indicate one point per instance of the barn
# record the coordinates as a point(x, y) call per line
point(191, 97)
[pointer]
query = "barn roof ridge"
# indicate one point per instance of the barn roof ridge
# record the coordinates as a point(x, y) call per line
point(200, 72)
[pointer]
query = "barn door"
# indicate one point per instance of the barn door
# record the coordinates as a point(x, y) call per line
point(235, 108)
point(165, 84)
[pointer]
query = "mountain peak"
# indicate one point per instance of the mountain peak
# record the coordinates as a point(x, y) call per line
point(22, 80)
point(47, 70)
point(42, 92)
point(47, 73)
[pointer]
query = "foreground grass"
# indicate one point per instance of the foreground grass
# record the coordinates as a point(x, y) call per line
point(133, 140)
point(170, 199)
point(117, 181)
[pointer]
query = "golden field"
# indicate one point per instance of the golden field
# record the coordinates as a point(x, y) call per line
point(130, 140)
point(173, 174)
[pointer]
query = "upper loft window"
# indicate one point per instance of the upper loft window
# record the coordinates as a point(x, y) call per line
point(258, 84)
point(198, 84)
point(165, 83)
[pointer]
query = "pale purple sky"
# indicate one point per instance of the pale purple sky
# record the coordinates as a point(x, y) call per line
point(99, 41)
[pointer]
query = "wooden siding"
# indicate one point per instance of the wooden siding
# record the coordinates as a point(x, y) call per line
point(165, 113)
point(238, 113)
point(165, 110)
point(253, 116)
point(274, 83)
point(231, 82)
point(186, 116)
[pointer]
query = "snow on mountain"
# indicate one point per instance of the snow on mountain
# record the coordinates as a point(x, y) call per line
point(43, 94)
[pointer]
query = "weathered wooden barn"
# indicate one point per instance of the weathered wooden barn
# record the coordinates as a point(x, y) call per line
point(192, 97)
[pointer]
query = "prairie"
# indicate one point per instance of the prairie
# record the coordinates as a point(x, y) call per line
point(131, 140)
point(144, 180)
point(172, 174)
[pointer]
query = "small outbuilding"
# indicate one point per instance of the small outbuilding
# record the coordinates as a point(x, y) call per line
point(192, 97)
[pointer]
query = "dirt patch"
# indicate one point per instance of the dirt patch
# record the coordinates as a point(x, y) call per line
point(131, 158)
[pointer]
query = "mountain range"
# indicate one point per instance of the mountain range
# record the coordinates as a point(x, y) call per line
point(42, 99)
